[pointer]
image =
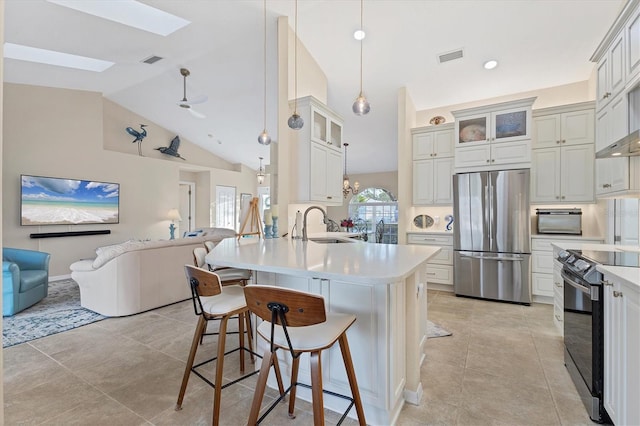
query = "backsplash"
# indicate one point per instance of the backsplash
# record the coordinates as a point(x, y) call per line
point(594, 217)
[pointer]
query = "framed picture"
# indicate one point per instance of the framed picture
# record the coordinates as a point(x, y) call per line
point(245, 198)
point(511, 124)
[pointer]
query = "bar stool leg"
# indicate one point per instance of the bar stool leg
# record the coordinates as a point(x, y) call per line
point(351, 375)
point(294, 378)
point(247, 319)
point(200, 329)
point(267, 361)
point(219, 369)
point(241, 340)
point(316, 389)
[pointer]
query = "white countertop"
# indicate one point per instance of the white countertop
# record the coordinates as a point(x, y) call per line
point(631, 276)
point(567, 237)
point(356, 261)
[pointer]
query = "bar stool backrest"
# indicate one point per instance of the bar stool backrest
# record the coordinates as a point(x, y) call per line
point(198, 257)
point(203, 284)
point(209, 245)
point(285, 307)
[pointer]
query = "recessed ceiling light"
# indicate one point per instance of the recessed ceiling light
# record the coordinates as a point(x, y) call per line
point(490, 64)
point(43, 56)
point(129, 12)
point(359, 35)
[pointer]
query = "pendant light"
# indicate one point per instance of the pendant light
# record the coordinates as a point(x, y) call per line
point(346, 185)
point(361, 106)
point(260, 173)
point(295, 121)
point(264, 138)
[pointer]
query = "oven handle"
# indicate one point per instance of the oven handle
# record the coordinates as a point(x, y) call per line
point(591, 291)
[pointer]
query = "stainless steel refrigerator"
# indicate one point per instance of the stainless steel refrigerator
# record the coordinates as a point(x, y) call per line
point(492, 255)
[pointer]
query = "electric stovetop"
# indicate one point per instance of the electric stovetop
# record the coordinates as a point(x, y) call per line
point(611, 258)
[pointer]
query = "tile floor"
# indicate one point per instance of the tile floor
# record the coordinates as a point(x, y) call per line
point(502, 366)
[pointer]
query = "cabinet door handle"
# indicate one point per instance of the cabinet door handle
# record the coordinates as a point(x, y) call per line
point(435, 154)
point(558, 284)
point(493, 161)
point(558, 317)
point(431, 273)
point(606, 185)
point(488, 161)
point(557, 197)
point(617, 293)
point(329, 197)
point(606, 282)
point(564, 141)
point(557, 141)
point(562, 197)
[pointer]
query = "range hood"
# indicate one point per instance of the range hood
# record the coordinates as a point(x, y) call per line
point(626, 147)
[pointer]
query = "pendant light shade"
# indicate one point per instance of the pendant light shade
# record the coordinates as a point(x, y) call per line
point(295, 121)
point(346, 184)
point(260, 173)
point(264, 138)
point(361, 106)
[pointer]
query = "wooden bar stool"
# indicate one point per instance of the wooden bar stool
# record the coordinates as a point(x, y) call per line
point(211, 301)
point(297, 321)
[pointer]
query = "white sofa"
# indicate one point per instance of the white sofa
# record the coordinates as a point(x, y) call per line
point(135, 276)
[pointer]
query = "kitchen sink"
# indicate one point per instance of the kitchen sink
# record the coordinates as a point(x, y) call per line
point(330, 240)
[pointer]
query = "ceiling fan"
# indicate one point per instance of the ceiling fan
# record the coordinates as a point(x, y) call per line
point(187, 104)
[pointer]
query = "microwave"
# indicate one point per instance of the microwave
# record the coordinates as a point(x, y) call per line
point(559, 221)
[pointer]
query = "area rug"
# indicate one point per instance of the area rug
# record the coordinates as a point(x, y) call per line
point(59, 311)
point(434, 330)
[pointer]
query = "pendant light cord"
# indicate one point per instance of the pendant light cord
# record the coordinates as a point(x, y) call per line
point(295, 61)
point(361, 7)
point(265, 64)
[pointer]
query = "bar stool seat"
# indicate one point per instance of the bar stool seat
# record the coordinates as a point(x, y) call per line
point(297, 321)
point(312, 337)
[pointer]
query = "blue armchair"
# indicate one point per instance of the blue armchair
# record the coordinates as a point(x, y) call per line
point(25, 279)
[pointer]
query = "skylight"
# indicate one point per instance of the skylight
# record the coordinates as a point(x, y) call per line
point(43, 56)
point(129, 12)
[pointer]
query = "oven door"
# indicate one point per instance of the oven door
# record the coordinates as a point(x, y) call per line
point(583, 340)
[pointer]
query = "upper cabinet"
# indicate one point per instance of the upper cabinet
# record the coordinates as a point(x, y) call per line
point(562, 168)
point(617, 93)
point(316, 155)
point(494, 136)
point(433, 164)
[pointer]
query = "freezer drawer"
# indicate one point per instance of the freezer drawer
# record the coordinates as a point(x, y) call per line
point(496, 276)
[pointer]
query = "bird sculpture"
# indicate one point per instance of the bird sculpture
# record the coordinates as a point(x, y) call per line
point(139, 135)
point(172, 149)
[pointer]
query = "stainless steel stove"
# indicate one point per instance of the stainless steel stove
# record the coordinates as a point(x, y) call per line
point(583, 324)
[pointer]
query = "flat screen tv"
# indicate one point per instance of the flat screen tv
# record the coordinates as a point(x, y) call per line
point(57, 201)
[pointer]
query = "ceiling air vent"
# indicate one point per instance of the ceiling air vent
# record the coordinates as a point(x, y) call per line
point(151, 59)
point(450, 56)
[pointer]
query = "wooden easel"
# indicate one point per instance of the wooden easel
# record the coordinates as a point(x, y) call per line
point(253, 218)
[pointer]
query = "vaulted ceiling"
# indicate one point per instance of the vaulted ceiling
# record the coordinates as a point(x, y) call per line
point(538, 43)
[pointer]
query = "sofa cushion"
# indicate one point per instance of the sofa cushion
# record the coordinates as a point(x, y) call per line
point(107, 253)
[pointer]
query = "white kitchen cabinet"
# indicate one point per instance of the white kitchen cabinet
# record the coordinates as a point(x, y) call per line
point(558, 294)
point(433, 165)
point(563, 174)
point(316, 155)
point(503, 122)
point(493, 137)
point(632, 59)
point(504, 155)
point(611, 75)
point(433, 141)
point(432, 181)
point(564, 126)
point(440, 267)
point(621, 350)
point(542, 264)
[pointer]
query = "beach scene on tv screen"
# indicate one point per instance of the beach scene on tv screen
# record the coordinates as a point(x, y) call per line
point(56, 201)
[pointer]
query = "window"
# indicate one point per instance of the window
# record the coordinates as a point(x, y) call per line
point(373, 205)
point(226, 207)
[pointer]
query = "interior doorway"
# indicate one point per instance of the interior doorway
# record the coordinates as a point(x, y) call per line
point(187, 207)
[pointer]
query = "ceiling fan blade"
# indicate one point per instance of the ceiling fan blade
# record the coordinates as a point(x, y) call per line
point(198, 100)
point(196, 113)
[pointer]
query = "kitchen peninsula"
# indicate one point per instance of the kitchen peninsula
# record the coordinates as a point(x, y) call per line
point(383, 285)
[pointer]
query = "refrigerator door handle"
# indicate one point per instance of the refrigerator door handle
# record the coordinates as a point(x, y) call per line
point(483, 257)
point(491, 190)
point(487, 212)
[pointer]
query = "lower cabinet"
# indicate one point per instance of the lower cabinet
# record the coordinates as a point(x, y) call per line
point(543, 281)
point(558, 295)
point(621, 350)
point(440, 267)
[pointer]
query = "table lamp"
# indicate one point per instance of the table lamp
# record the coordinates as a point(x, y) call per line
point(173, 215)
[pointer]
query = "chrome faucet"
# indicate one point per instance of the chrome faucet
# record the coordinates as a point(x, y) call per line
point(304, 220)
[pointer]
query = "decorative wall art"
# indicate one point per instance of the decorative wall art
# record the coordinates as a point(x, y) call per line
point(473, 130)
point(511, 124)
point(139, 135)
point(172, 149)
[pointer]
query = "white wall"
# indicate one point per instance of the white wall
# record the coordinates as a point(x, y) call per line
point(63, 133)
